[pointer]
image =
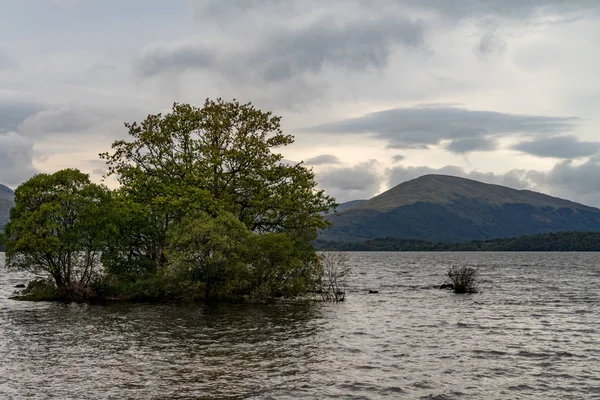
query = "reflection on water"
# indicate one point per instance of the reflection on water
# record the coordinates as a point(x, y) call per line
point(533, 333)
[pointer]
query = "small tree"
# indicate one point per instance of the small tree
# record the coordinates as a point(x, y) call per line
point(335, 272)
point(463, 279)
point(209, 250)
point(58, 228)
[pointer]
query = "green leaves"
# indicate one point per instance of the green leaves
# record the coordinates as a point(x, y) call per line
point(225, 150)
point(205, 203)
point(59, 227)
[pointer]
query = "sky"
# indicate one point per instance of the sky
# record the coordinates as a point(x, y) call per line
point(376, 92)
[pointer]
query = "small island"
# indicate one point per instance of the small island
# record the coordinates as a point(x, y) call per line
point(204, 210)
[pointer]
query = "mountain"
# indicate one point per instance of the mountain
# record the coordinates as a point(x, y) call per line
point(349, 204)
point(7, 197)
point(450, 209)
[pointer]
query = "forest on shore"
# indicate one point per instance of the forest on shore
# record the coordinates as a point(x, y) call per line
point(555, 241)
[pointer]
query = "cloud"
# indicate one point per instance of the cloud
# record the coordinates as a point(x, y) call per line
point(59, 120)
point(6, 61)
point(163, 57)
point(559, 147)
point(581, 179)
point(517, 179)
point(14, 113)
point(360, 181)
point(76, 120)
point(468, 145)
point(323, 159)
point(356, 46)
point(577, 182)
point(281, 53)
point(455, 10)
point(567, 180)
point(491, 42)
point(429, 125)
point(398, 158)
point(16, 156)
point(459, 10)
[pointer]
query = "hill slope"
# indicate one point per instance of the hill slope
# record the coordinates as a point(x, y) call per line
point(446, 208)
point(6, 202)
point(349, 204)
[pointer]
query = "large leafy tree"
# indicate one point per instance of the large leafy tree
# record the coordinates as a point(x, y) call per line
point(59, 227)
point(220, 157)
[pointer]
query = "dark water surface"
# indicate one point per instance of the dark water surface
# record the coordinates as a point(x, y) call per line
point(534, 333)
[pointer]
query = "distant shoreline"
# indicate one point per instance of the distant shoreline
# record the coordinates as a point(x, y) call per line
point(546, 242)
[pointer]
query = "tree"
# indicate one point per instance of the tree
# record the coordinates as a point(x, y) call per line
point(210, 250)
point(59, 227)
point(219, 158)
point(280, 265)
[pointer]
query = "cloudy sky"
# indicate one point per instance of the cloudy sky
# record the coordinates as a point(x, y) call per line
point(376, 92)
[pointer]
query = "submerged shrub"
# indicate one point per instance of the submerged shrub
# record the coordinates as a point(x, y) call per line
point(464, 279)
point(39, 290)
point(332, 283)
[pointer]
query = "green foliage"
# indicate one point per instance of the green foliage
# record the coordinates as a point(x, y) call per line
point(209, 250)
point(59, 227)
point(135, 248)
point(279, 266)
point(463, 279)
point(38, 290)
point(206, 210)
point(219, 157)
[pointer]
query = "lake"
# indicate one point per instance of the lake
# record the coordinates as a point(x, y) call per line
point(533, 333)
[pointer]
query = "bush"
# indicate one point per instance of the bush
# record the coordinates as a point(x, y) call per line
point(464, 279)
point(335, 271)
point(38, 290)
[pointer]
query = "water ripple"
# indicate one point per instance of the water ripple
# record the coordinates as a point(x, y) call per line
point(532, 334)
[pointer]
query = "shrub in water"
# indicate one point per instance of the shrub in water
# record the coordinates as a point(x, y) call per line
point(463, 279)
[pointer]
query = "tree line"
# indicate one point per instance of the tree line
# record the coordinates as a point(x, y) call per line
point(206, 209)
point(556, 241)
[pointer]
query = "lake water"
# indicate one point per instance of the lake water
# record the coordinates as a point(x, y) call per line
point(534, 333)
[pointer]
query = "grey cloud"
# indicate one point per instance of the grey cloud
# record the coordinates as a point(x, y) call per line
point(73, 120)
point(14, 113)
point(517, 179)
point(451, 10)
point(323, 159)
point(96, 167)
point(99, 68)
point(576, 182)
point(428, 125)
point(354, 46)
point(16, 155)
point(491, 42)
point(509, 9)
point(358, 182)
point(60, 120)
point(225, 8)
point(398, 158)
point(580, 183)
point(559, 147)
point(163, 57)
point(5, 61)
point(468, 145)
point(286, 53)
